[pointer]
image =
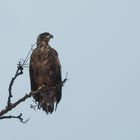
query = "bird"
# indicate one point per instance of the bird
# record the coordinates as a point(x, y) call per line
point(45, 71)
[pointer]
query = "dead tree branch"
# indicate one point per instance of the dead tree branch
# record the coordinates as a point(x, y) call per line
point(15, 117)
point(19, 72)
point(10, 106)
point(26, 96)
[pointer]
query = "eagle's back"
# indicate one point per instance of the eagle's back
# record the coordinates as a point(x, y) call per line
point(45, 70)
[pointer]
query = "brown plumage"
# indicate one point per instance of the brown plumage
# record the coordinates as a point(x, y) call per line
point(45, 70)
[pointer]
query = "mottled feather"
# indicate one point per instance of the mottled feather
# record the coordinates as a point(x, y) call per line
point(45, 70)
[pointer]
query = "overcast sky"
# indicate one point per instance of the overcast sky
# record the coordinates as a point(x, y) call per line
point(98, 45)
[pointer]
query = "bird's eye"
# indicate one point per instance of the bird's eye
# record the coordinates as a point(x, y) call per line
point(48, 36)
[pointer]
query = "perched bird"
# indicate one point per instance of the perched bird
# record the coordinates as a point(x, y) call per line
point(45, 71)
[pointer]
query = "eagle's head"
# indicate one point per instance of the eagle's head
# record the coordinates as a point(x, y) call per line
point(44, 38)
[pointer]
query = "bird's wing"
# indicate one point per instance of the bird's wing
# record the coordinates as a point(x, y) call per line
point(33, 70)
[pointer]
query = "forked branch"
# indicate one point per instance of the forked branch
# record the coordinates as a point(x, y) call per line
point(26, 96)
point(11, 105)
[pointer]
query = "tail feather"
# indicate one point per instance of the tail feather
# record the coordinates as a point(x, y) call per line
point(47, 101)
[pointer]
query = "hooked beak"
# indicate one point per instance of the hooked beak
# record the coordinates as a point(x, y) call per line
point(51, 36)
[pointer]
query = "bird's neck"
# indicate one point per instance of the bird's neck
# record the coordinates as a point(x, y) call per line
point(43, 44)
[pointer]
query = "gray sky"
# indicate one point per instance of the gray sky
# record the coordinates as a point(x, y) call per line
point(98, 45)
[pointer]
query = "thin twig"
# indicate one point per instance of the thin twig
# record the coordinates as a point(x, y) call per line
point(15, 117)
point(27, 57)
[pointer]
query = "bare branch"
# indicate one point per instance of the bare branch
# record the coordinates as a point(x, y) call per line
point(10, 105)
point(15, 117)
point(18, 72)
point(33, 93)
